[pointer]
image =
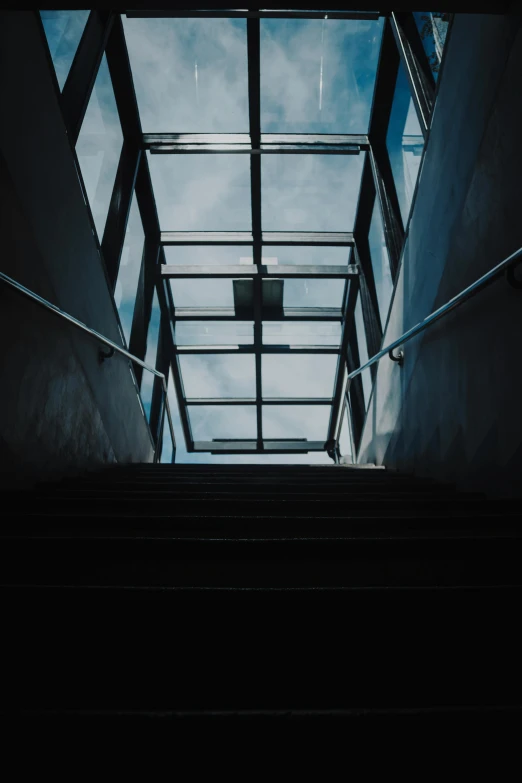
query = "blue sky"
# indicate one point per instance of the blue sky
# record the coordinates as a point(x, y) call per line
point(317, 76)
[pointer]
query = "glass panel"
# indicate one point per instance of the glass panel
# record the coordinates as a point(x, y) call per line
point(296, 421)
point(188, 292)
point(215, 375)
point(147, 379)
point(63, 30)
point(205, 255)
point(312, 256)
point(99, 146)
point(301, 333)
point(209, 422)
point(310, 192)
point(318, 76)
point(214, 333)
point(202, 192)
point(298, 376)
point(313, 293)
point(129, 271)
point(380, 263)
point(190, 75)
point(363, 352)
point(405, 143)
point(345, 443)
point(433, 28)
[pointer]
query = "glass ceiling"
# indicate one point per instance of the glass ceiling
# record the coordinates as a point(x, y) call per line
point(257, 353)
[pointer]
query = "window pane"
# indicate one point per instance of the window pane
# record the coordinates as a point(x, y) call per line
point(190, 75)
point(312, 256)
point(310, 192)
point(433, 28)
point(405, 144)
point(318, 76)
point(301, 333)
point(313, 293)
point(188, 292)
point(129, 271)
point(296, 421)
point(298, 376)
point(202, 192)
point(380, 263)
point(63, 30)
point(363, 352)
point(214, 333)
point(214, 375)
point(205, 255)
point(147, 379)
point(209, 422)
point(345, 444)
point(99, 146)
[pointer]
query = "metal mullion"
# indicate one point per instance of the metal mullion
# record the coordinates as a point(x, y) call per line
point(416, 66)
point(157, 402)
point(350, 299)
point(355, 391)
point(121, 199)
point(370, 312)
point(201, 401)
point(143, 304)
point(80, 81)
point(253, 14)
point(259, 270)
point(254, 110)
point(252, 349)
point(386, 80)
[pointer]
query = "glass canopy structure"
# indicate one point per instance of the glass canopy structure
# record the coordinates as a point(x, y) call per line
point(249, 177)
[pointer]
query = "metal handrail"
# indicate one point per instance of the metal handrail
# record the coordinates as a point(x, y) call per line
point(105, 340)
point(464, 295)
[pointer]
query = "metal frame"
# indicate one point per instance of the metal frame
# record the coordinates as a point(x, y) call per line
point(400, 43)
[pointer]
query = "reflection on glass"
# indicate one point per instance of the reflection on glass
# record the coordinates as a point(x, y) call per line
point(312, 256)
point(308, 292)
point(216, 375)
point(310, 192)
point(211, 422)
point(296, 421)
point(99, 145)
point(147, 379)
point(301, 333)
point(214, 333)
point(380, 263)
point(363, 352)
point(202, 192)
point(188, 292)
point(129, 271)
point(405, 143)
point(433, 28)
point(318, 76)
point(190, 75)
point(208, 255)
point(63, 30)
point(298, 376)
point(345, 443)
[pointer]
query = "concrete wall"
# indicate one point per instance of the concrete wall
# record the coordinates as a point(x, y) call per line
point(454, 410)
point(61, 409)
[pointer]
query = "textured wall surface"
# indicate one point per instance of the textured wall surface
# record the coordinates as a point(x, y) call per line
point(453, 411)
point(61, 409)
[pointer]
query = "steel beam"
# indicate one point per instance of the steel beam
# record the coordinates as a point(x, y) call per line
point(416, 65)
point(259, 270)
point(82, 75)
point(286, 238)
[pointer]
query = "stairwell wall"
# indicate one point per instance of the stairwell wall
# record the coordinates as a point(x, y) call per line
point(453, 410)
point(62, 410)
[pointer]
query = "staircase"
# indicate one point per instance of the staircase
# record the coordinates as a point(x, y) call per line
point(197, 590)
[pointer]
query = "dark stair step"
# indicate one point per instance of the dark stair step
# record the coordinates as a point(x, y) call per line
point(260, 649)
